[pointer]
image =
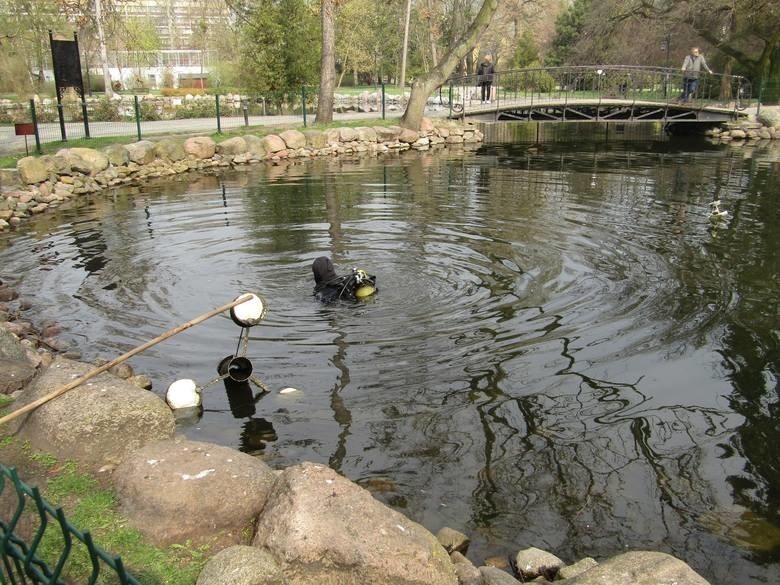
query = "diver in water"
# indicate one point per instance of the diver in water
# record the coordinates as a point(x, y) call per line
point(330, 288)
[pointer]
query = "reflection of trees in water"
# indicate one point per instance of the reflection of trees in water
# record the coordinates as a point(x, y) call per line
point(592, 466)
point(750, 248)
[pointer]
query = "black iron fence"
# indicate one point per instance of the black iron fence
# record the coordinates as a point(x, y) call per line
point(22, 562)
point(140, 116)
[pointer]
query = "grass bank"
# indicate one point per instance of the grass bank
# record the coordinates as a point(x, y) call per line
point(90, 504)
point(9, 161)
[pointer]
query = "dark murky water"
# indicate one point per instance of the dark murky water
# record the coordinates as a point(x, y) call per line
point(564, 352)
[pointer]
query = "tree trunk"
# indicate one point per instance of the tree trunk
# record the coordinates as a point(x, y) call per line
point(327, 65)
point(103, 53)
point(405, 47)
point(426, 84)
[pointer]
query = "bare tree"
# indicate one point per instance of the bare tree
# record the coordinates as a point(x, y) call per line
point(425, 85)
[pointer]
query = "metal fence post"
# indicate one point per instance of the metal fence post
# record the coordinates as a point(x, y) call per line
point(137, 115)
point(450, 99)
point(61, 115)
point(245, 108)
point(85, 116)
point(383, 100)
point(303, 103)
point(34, 119)
point(219, 122)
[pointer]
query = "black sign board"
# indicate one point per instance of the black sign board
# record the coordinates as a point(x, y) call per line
point(67, 66)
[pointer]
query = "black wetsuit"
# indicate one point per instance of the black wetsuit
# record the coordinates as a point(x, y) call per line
point(329, 287)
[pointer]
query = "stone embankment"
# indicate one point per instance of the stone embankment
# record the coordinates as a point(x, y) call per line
point(303, 525)
point(41, 183)
point(766, 126)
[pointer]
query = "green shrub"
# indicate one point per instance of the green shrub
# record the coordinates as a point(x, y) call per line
point(196, 109)
point(105, 110)
point(148, 111)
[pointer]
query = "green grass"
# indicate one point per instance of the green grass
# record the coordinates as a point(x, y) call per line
point(94, 508)
point(9, 161)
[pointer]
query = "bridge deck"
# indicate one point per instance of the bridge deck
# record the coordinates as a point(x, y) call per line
point(570, 109)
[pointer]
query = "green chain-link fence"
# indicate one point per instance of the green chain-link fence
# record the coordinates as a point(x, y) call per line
point(21, 559)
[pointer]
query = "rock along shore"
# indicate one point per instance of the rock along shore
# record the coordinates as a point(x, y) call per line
point(301, 525)
point(39, 183)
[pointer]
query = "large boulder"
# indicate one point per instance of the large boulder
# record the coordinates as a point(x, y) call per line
point(180, 490)
point(10, 348)
point(232, 146)
point(141, 152)
point(408, 136)
point(769, 116)
point(15, 374)
point(496, 576)
point(366, 134)
point(315, 139)
point(97, 423)
point(170, 149)
point(32, 170)
point(200, 147)
point(387, 133)
point(242, 565)
point(9, 178)
point(326, 530)
point(94, 160)
point(347, 134)
point(533, 562)
point(273, 143)
point(640, 568)
point(117, 155)
point(254, 145)
point(294, 139)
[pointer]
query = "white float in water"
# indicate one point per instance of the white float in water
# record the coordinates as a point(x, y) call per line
point(183, 394)
point(716, 213)
point(288, 390)
point(250, 312)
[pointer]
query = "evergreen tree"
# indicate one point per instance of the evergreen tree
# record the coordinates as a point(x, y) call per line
point(568, 27)
point(279, 48)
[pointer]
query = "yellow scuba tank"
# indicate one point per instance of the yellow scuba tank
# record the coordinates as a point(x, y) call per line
point(365, 287)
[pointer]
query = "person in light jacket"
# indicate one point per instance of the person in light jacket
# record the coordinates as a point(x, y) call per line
point(691, 68)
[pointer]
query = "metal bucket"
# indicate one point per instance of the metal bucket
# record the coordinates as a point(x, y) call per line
point(238, 369)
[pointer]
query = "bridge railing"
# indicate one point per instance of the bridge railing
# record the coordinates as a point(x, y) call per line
point(601, 83)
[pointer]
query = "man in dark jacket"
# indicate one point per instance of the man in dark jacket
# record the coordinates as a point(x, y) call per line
point(485, 78)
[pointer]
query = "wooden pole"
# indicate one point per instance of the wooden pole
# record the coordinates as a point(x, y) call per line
point(99, 370)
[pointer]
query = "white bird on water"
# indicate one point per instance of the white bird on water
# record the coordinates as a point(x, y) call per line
point(716, 213)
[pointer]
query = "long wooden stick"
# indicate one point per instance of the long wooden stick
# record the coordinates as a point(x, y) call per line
point(99, 370)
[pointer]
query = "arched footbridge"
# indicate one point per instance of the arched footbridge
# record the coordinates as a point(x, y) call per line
point(600, 93)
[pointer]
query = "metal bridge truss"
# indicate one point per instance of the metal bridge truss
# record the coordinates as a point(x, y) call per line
point(600, 93)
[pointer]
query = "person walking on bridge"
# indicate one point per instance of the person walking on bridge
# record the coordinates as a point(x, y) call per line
point(691, 68)
point(485, 78)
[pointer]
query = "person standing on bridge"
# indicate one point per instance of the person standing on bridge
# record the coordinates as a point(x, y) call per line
point(691, 68)
point(485, 78)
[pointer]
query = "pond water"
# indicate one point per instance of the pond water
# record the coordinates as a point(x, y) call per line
point(564, 351)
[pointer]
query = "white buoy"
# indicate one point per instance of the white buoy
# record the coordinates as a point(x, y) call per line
point(288, 390)
point(183, 394)
point(250, 312)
